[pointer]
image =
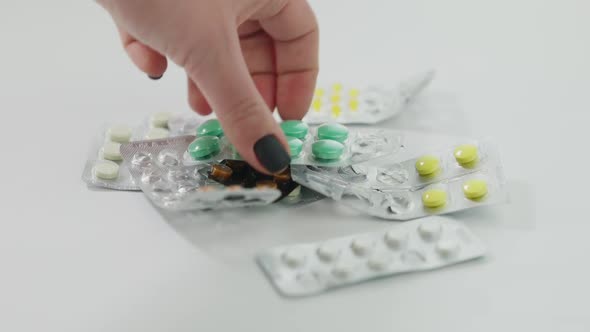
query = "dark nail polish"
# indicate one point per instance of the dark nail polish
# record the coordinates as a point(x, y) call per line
point(271, 154)
point(155, 78)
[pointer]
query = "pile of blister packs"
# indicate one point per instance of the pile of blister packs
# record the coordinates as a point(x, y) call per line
point(184, 162)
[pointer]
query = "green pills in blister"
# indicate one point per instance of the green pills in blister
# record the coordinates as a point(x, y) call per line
point(330, 144)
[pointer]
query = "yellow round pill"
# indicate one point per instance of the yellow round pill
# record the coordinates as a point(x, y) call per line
point(466, 154)
point(427, 165)
point(475, 189)
point(434, 198)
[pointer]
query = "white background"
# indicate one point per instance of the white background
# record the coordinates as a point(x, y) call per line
point(73, 259)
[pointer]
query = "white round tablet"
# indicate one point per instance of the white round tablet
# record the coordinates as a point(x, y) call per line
point(157, 133)
point(395, 239)
point(361, 246)
point(112, 151)
point(120, 134)
point(294, 257)
point(342, 271)
point(106, 170)
point(160, 120)
point(447, 248)
point(328, 252)
point(430, 230)
point(379, 261)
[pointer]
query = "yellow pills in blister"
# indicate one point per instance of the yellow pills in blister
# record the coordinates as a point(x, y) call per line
point(434, 198)
point(354, 93)
point(353, 105)
point(427, 165)
point(337, 87)
point(466, 154)
point(475, 189)
point(317, 105)
point(336, 110)
point(335, 99)
point(319, 93)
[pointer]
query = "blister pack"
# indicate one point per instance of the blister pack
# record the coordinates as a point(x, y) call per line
point(104, 167)
point(369, 105)
point(158, 168)
point(329, 144)
point(312, 268)
point(462, 177)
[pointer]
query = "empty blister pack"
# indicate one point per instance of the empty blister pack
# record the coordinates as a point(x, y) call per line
point(330, 144)
point(312, 268)
point(369, 105)
point(157, 167)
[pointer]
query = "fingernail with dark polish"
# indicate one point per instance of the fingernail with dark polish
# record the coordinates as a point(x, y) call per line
point(271, 154)
point(155, 78)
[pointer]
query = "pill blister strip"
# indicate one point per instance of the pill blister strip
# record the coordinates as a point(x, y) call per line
point(395, 204)
point(157, 167)
point(369, 105)
point(361, 145)
point(118, 176)
point(426, 244)
point(390, 193)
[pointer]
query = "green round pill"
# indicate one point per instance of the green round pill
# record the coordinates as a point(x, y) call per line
point(333, 131)
point(295, 128)
point(327, 149)
point(204, 147)
point(296, 146)
point(210, 127)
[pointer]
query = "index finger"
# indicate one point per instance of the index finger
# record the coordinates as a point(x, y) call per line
point(296, 35)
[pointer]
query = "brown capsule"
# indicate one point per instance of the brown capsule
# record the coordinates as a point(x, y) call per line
point(266, 184)
point(234, 187)
point(282, 177)
point(236, 165)
point(221, 172)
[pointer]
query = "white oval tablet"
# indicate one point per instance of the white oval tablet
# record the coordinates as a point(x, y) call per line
point(395, 239)
point(112, 151)
point(379, 262)
point(160, 119)
point(157, 133)
point(447, 248)
point(361, 246)
point(430, 230)
point(328, 252)
point(342, 271)
point(120, 134)
point(106, 170)
point(294, 257)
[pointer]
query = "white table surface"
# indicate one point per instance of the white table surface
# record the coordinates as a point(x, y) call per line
point(73, 259)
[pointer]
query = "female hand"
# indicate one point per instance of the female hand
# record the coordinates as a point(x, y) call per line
point(243, 58)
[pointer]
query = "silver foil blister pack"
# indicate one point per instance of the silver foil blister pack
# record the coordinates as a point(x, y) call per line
point(311, 268)
point(348, 104)
point(158, 168)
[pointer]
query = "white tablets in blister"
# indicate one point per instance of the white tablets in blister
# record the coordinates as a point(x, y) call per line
point(311, 268)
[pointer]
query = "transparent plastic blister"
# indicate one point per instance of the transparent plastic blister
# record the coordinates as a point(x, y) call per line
point(482, 188)
point(444, 164)
point(330, 145)
point(312, 268)
point(158, 168)
point(396, 191)
point(369, 105)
